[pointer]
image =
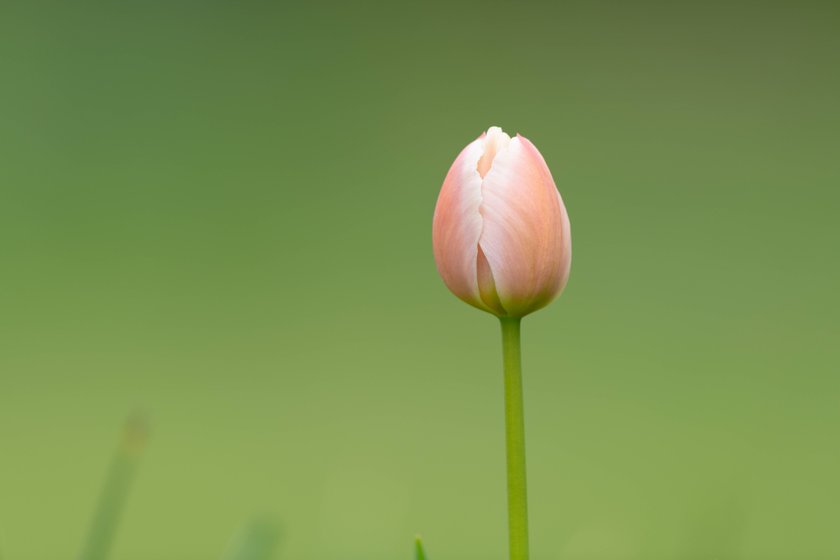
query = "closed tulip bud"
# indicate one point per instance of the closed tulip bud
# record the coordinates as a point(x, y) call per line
point(501, 234)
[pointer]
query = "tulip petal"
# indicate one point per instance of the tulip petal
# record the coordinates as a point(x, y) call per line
point(495, 140)
point(525, 235)
point(487, 285)
point(457, 226)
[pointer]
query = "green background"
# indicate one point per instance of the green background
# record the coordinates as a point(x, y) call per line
point(220, 213)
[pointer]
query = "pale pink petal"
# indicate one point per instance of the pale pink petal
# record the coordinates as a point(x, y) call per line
point(487, 285)
point(457, 225)
point(525, 234)
point(566, 247)
point(495, 140)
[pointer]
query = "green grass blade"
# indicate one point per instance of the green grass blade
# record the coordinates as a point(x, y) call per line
point(103, 527)
point(257, 541)
point(418, 547)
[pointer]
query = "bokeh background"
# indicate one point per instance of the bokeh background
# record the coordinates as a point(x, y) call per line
point(220, 213)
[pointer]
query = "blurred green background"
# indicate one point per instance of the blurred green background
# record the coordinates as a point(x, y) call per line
point(220, 213)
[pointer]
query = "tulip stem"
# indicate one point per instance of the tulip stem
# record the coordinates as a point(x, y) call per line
point(515, 438)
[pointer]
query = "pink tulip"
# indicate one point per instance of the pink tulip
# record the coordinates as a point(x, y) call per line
point(501, 235)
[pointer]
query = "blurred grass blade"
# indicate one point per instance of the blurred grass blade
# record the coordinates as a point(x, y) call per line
point(418, 545)
point(106, 518)
point(257, 541)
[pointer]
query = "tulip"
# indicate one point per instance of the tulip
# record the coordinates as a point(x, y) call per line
point(502, 243)
point(501, 234)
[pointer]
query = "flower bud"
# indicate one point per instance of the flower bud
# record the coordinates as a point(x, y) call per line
point(501, 235)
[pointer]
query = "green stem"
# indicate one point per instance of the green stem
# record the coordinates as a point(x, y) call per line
point(515, 437)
